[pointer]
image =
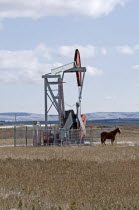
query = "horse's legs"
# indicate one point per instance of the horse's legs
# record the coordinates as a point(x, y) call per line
point(112, 140)
point(103, 141)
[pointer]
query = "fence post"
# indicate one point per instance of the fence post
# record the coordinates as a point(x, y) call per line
point(54, 136)
point(26, 136)
point(80, 135)
point(60, 137)
point(14, 136)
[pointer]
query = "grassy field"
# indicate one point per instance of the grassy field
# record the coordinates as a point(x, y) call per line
point(74, 177)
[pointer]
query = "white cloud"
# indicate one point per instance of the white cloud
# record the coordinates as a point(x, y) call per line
point(41, 8)
point(136, 47)
point(30, 65)
point(93, 71)
point(27, 65)
point(85, 51)
point(110, 98)
point(126, 49)
point(104, 51)
point(135, 67)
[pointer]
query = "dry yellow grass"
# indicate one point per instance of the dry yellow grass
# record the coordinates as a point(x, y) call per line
point(6, 133)
point(72, 153)
point(69, 178)
point(74, 177)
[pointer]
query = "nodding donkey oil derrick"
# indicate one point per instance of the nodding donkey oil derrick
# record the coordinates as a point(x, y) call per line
point(67, 118)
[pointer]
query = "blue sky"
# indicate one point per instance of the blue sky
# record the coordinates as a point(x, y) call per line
point(40, 35)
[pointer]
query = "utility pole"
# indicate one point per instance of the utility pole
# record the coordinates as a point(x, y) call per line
point(15, 118)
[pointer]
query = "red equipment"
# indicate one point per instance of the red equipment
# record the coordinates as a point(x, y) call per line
point(78, 64)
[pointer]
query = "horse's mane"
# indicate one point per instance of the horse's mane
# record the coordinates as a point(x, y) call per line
point(113, 131)
point(117, 129)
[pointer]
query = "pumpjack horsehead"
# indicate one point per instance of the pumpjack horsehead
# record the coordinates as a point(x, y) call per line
point(67, 119)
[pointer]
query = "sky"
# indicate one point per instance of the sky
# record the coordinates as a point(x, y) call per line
point(36, 36)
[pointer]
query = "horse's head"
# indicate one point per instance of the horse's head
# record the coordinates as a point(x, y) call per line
point(118, 130)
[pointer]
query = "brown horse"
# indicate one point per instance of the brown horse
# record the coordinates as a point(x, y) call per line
point(109, 135)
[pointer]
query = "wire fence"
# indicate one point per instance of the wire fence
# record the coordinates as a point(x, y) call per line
point(38, 136)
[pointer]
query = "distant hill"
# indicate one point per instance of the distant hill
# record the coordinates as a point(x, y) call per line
point(112, 115)
point(24, 116)
point(21, 116)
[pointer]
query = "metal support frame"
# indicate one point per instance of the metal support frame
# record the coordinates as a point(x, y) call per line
point(56, 100)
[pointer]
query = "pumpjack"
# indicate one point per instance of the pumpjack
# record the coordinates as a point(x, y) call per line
point(67, 118)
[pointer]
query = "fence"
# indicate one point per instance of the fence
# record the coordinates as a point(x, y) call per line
point(28, 136)
point(37, 136)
